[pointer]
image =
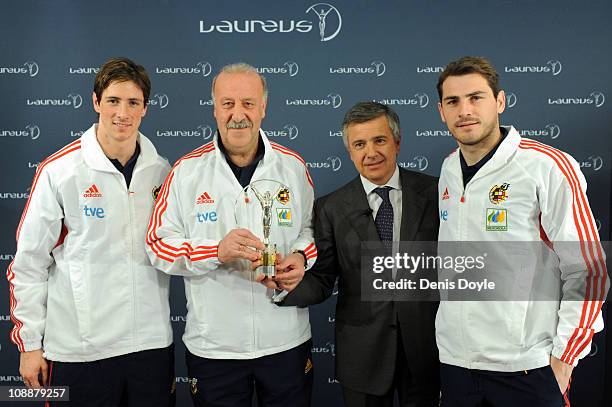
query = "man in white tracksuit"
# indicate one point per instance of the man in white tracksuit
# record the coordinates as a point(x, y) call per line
point(207, 226)
point(499, 187)
point(90, 312)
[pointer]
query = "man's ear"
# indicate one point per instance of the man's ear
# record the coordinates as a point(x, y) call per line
point(96, 102)
point(501, 102)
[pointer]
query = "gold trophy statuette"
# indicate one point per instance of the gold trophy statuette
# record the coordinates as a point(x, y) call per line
point(268, 254)
point(266, 192)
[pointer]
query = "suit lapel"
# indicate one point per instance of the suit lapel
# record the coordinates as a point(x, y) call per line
point(358, 212)
point(413, 208)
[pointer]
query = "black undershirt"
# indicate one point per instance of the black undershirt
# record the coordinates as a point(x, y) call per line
point(128, 169)
point(469, 171)
point(243, 174)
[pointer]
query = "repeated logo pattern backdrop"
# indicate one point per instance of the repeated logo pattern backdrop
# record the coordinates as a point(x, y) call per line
point(319, 59)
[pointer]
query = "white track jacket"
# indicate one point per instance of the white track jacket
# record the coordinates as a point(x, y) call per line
point(527, 191)
point(229, 314)
point(81, 285)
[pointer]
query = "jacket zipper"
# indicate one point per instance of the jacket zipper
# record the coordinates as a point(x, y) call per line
point(131, 257)
point(253, 314)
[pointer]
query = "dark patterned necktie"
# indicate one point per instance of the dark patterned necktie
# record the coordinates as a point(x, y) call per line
point(384, 217)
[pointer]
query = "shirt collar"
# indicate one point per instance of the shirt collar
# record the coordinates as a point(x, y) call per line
point(394, 182)
point(258, 155)
point(487, 157)
point(131, 162)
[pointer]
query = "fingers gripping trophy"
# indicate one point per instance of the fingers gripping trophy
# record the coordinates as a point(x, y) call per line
point(267, 193)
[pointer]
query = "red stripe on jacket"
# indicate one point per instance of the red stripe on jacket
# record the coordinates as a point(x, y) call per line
point(162, 249)
point(286, 151)
point(10, 275)
point(583, 333)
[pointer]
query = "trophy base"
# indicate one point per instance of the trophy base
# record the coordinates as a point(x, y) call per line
point(268, 259)
point(268, 271)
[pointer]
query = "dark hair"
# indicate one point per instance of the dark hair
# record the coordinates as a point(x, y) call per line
point(468, 65)
point(364, 112)
point(122, 70)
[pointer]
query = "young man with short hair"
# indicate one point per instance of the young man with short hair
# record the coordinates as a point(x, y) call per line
point(499, 187)
point(90, 312)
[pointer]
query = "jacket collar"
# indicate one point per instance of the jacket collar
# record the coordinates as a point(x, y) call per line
point(413, 208)
point(268, 157)
point(95, 158)
point(504, 153)
point(394, 182)
point(358, 211)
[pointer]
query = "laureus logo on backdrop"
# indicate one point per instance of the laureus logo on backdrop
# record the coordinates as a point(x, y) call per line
point(201, 68)
point(83, 70)
point(30, 131)
point(203, 131)
point(289, 131)
point(27, 68)
point(333, 99)
point(76, 133)
point(9, 378)
point(433, 133)
point(7, 257)
point(592, 162)
point(553, 66)
point(595, 98)
point(329, 348)
point(159, 100)
point(511, 100)
point(429, 69)
point(73, 99)
point(333, 163)
point(419, 162)
point(551, 131)
point(322, 10)
point(335, 133)
point(326, 22)
point(290, 68)
point(420, 100)
point(377, 68)
point(15, 195)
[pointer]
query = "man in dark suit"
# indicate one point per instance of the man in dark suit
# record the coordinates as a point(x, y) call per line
point(381, 346)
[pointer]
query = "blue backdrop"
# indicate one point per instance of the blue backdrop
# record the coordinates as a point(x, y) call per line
point(553, 58)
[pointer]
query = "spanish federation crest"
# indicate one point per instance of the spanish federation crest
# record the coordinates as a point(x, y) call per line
point(499, 194)
point(282, 196)
point(155, 192)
